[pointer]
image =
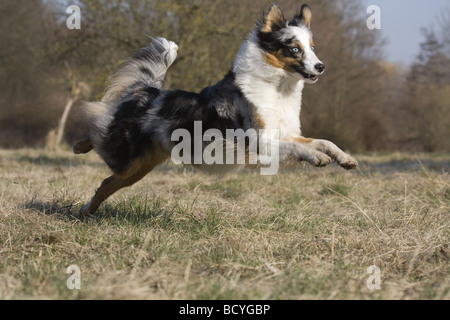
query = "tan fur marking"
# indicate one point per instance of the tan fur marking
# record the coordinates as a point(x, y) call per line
point(137, 171)
point(145, 163)
point(279, 60)
point(307, 16)
point(260, 121)
point(301, 140)
point(274, 61)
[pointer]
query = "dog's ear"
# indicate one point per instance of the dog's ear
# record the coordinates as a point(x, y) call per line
point(273, 20)
point(303, 18)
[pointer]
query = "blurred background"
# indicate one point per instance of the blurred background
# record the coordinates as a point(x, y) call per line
point(384, 90)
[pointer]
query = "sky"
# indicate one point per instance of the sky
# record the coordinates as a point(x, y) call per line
point(401, 21)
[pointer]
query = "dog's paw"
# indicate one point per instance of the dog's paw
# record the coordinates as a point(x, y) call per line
point(77, 217)
point(340, 157)
point(85, 211)
point(348, 163)
point(319, 159)
point(83, 147)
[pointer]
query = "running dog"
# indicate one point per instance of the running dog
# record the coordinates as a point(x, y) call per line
point(132, 126)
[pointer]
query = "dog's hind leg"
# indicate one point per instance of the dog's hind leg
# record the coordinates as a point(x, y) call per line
point(83, 146)
point(109, 187)
point(136, 172)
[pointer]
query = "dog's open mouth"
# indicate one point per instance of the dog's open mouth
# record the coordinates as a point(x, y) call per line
point(309, 77)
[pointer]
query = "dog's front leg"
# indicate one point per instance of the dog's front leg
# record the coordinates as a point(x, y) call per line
point(343, 159)
point(289, 150)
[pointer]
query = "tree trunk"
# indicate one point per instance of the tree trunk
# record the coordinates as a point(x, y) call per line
point(62, 122)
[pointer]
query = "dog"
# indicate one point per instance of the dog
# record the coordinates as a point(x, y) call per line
point(131, 127)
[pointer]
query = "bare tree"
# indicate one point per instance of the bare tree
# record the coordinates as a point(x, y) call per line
point(78, 91)
point(427, 108)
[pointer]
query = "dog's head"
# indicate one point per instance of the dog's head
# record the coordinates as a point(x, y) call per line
point(289, 44)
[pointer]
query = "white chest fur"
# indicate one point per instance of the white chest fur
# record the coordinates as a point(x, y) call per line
point(278, 105)
point(274, 92)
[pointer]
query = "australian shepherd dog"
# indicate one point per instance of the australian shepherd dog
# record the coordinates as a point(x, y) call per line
point(131, 127)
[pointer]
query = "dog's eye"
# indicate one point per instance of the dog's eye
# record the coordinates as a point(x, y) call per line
point(313, 48)
point(295, 50)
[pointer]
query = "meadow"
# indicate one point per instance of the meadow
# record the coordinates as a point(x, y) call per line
point(306, 233)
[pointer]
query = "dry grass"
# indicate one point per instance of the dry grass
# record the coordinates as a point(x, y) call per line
point(304, 234)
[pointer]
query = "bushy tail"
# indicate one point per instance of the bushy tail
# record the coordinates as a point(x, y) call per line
point(148, 67)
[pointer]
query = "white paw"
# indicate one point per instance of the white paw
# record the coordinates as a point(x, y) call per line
point(319, 159)
point(348, 162)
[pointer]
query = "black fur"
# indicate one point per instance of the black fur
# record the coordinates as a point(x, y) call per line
point(133, 132)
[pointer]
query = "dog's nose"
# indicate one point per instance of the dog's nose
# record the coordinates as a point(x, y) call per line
point(320, 67)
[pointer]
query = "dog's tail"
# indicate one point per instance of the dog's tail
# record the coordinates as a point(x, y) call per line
point(147, 68)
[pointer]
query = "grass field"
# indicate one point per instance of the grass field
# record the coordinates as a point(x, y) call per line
point(178, 234)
